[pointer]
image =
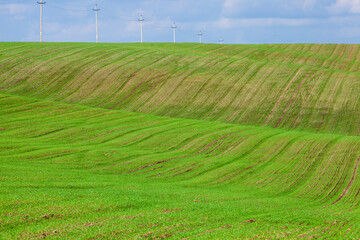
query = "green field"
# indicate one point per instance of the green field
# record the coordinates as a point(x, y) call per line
point(181, 141)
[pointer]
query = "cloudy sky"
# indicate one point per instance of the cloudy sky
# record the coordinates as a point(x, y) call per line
point(236, 21)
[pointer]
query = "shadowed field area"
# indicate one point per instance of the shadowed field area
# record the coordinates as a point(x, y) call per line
point(179, 141)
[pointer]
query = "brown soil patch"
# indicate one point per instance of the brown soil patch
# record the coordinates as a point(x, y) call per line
point(47, 216)
point(249, 221)
point(216, 229)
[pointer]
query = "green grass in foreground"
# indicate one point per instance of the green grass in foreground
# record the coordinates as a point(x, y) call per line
point(69, 171)
point(44, 201)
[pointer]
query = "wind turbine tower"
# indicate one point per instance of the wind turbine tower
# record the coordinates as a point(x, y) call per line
point(141, 20)
point(221, 41)
point(41, 3)
point(96, 10)
point(174, 28)
point(200, 36)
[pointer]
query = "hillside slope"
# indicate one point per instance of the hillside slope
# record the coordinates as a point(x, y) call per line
point(302, 86)
point(181, 141)
point(70, 171)
point(311, 165)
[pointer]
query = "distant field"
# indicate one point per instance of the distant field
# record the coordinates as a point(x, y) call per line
point(182, 141)
point(301, 86)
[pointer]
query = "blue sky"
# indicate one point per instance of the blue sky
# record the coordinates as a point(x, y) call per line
point(236, 21)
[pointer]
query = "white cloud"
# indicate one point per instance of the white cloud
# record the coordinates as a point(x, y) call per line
point(13, 9)
point(234, 6)
point(308, 4)
point(227, 23)
point(275, 8)
point(230, 4)
point(350, 6)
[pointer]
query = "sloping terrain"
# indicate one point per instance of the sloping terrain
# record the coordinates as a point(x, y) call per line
point(307, 87)
point(179, 141)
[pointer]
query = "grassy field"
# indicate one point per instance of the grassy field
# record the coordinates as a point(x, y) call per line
point(303, 87)
point(182, 141)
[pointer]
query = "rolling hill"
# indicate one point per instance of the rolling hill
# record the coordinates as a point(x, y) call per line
point(179, 141)
point(305, 87)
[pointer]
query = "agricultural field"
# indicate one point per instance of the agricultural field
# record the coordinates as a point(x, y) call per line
point(179, 141)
